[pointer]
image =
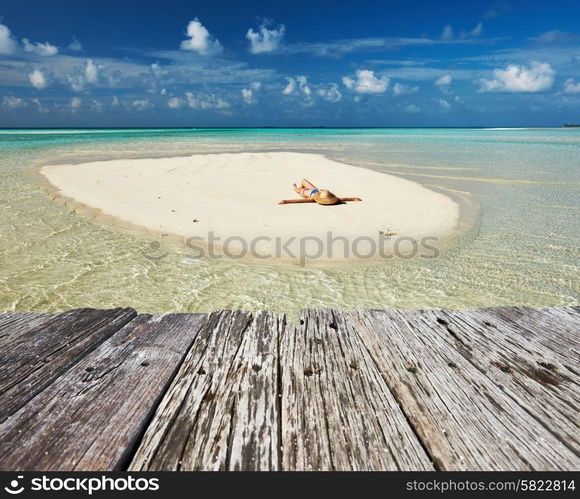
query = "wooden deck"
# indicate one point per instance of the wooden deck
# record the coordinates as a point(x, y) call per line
point(493, 389)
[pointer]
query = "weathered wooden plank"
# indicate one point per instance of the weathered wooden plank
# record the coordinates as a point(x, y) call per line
point(555, 328)
point(464, 419)
point(34, 358)
point(19, 323)
point(337, 411)
point(220, 413)
point(523, 368)
point(92, 416)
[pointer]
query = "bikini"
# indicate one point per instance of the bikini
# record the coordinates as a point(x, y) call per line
point(313, 192)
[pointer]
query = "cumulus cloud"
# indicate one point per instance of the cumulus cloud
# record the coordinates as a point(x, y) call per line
point(366, 82)
point(39, 106)
point(290, 87)
point(536, 77)
point(303, 85)
point(75, 45)
point(331, 93)
point(200, 40)
point(444, 80)
point(443, 103)
point(10, 102)
point(75, 104)
point(89, 75)
point(7, 43)
point(571, 87)
point(248, 96)
point(447, 33)
point(264, 39)
point(115, 102)
point(141, 104)
point(174, 103)
point(37, 79)
point(399, 89)
point(45, 49)
point(91, 72)
point(205, 101)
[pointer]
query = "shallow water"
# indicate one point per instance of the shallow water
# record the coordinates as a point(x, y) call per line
point(522, 251)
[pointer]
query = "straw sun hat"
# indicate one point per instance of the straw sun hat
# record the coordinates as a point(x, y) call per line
point(325, 197)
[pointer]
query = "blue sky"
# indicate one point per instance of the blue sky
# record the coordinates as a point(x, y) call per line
point(298, 63)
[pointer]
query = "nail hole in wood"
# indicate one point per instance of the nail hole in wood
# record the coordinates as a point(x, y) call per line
point(443, 322)
point(144, 363)
point(452, 365)
point(89, 369)
point(201, 371)
point(412, 369)
point(332, 325)
point(354, 365)
point(308, 372)
point(301, 322)
point(256, 368)
point(489, 324)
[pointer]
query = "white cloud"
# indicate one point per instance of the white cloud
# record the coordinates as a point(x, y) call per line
point(10, 102)
point(174, 103)
point(571, 87)
point(303, 85)
point(75, 45)
point(290, 87)
point(45, 49)
point(75, 104)
point(84, 77)
point(205, 101)
point(248, 96)
point(412, 108)
point(7, 43)
point(115, 101)
point(400, 89)
point(366, 82)
point(256, 85)
point(330, 94)
point(444, 80)
point(536, 77)
point(477, 30)
point(97, 106)
point(39, 106)
point(91, 72)
point(37, 79)
point(265, 40)
point(141, 104)
point(443, 103)
point(200, 40)
point(447, 33)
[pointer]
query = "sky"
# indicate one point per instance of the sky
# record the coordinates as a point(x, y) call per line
point(289, 63)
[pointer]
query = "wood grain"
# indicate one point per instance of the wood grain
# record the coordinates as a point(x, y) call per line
point(337, 411)
point(92, 416)
point(221, 412)
point(41, 349)
point(463, 417)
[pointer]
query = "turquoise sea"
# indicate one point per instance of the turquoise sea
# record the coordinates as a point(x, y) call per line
point(522, 186)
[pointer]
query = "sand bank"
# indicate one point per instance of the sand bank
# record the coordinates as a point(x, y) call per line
point(209, 198)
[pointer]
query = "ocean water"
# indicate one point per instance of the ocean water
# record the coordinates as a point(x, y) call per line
point(522, 247)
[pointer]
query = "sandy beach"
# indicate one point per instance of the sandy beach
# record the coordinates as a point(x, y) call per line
point(212, 197)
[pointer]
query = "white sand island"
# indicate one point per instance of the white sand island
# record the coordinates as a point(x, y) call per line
point(236, 195)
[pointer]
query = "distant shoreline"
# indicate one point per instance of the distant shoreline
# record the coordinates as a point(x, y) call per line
point(189, 127)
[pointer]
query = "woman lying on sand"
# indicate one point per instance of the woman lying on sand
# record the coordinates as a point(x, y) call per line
point(307, 189)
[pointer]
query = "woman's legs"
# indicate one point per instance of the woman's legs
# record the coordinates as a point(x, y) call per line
point(304, 188)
